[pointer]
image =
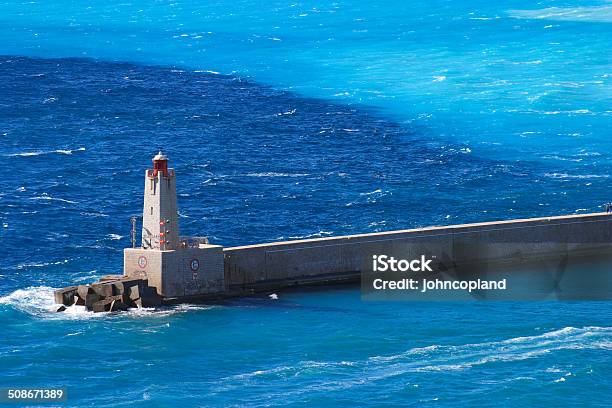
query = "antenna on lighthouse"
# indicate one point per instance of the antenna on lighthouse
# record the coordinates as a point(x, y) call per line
point(133, 231)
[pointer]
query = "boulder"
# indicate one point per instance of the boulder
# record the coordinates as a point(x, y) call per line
point(90, 299)
point(122, 286)
point(65, 296)
point(134, 292)
point(110, 294)
point(102, 305)
point(102, 289)
point(84, 290)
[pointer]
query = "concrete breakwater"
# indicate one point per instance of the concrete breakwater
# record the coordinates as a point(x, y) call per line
point(346, 258)
point(168, 268)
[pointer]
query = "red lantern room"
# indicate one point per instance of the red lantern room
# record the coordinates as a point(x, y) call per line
point(160, 164)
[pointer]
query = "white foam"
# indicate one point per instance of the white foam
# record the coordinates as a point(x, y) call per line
point(434, 358)
point(370, 197)
point(35, 300)
point(575, 176)
point(377, 191)
point(207, 72)
point(273, 174)
point(90, 214)
point(592, 14)
point(561, 158)
point(45, 196)
point(313, 235)
point(42, 152)
point(39, 301)
point(289, 112)
point(41, 264)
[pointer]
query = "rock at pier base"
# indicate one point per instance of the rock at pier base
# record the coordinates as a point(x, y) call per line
point(102, 289)
point(109, 304)
point(90, 299)
point(84, 290)
point(107, 278)
point(65, 296)
point(109, 295)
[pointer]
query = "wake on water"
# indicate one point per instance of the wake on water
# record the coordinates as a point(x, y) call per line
point(337, 375)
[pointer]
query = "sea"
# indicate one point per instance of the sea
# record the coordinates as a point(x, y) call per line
point(288, 120)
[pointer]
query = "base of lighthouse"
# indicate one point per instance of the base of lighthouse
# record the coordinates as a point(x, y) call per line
point(180, 272)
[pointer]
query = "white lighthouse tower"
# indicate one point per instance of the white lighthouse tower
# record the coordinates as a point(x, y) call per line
point(160, 228)
point(174, 265)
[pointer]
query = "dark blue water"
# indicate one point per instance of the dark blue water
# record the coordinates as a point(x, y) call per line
point(253, 165)
point(330, 119)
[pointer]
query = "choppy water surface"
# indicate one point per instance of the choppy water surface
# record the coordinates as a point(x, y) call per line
point(304, 120)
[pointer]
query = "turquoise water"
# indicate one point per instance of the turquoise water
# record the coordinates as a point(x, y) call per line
point(291, 120)
point(535, 78)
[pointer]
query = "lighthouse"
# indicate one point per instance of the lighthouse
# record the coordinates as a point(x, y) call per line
point(176, 266)
point(160, 227)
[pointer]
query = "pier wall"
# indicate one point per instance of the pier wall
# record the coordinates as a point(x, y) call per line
point(341, 258)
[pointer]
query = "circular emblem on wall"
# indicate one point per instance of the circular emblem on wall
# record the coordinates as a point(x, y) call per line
point(194, 265)
point(142, 262)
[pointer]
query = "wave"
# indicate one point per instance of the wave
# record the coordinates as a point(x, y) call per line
point(36, 300)
point(535, 62)
point(41, 152)
point(207, 71)
point(313, 235)
point(273, 174)
point(433, 358)
point(602, 14)
point(575, 176)
point(561, 158)
point(370, 197)
point(41, 264)
point(45, 196)
point(289, 112)
point(39, 301)
point(94, 214)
